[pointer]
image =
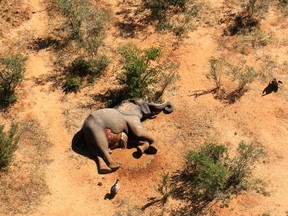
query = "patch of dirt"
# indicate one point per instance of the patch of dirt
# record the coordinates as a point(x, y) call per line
point(49, 178)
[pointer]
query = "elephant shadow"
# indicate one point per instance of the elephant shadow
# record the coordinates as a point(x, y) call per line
point(81, 148)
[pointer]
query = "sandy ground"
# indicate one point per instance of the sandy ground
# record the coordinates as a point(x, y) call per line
point(75, 187)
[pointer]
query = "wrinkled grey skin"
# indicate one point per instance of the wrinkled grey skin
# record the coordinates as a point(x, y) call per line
point(127, 118)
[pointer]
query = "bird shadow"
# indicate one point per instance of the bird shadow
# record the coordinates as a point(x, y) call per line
point(109, 196)
point(269, 89)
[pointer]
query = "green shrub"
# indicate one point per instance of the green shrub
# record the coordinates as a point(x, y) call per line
point(98, 65)
point(12, 70)
point(208, 170)
point(242, 165)
point(142, 75)
point(8, 144)
point(72, 84)
point(211, 173)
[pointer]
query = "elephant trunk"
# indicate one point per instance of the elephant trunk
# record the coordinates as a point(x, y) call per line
point(166, 107)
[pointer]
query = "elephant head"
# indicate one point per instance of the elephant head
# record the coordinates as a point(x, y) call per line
point(144, 109)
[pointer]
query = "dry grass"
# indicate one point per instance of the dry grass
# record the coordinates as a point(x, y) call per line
point(23, 185)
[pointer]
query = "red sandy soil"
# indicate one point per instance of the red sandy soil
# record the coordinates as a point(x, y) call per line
point(73, 180)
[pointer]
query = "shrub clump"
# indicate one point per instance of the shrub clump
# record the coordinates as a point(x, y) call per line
point(12, 70)
point(213, 174)
point(8, 144)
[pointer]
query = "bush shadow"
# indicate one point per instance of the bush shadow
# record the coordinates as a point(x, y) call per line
point(44, 43)
point(195, 204)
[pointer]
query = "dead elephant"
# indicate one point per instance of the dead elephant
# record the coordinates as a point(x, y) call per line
point(107, 128)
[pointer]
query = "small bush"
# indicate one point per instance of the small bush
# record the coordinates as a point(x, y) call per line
point(72, 84)
point(215, 73)
point(142, 75)
point(98, 65)
point(242, 165)
point(12, 70)
point(8, 144)
point(80, 35)
point(208, 170)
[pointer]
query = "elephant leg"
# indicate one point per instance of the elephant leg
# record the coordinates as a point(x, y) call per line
point(144, 139)
point(142, 147)
point(99, 146)
point(102, 166)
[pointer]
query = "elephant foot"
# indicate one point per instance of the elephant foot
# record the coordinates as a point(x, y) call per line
point(114, 166)
point(105, 170)
point(151, 150)
point(142, 148)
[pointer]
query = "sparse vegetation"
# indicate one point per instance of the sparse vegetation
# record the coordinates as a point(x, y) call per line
point(75, 37)
point(164, 188)
point(23, 186)
point(84, 26)
point(283, 6)
point(80, 37)
point(12, 70)
point(243, 74)
point(172, 15)
point(8, 144)
point(240, 73)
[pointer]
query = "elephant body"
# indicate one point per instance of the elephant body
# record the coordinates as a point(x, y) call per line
point(108, 128)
